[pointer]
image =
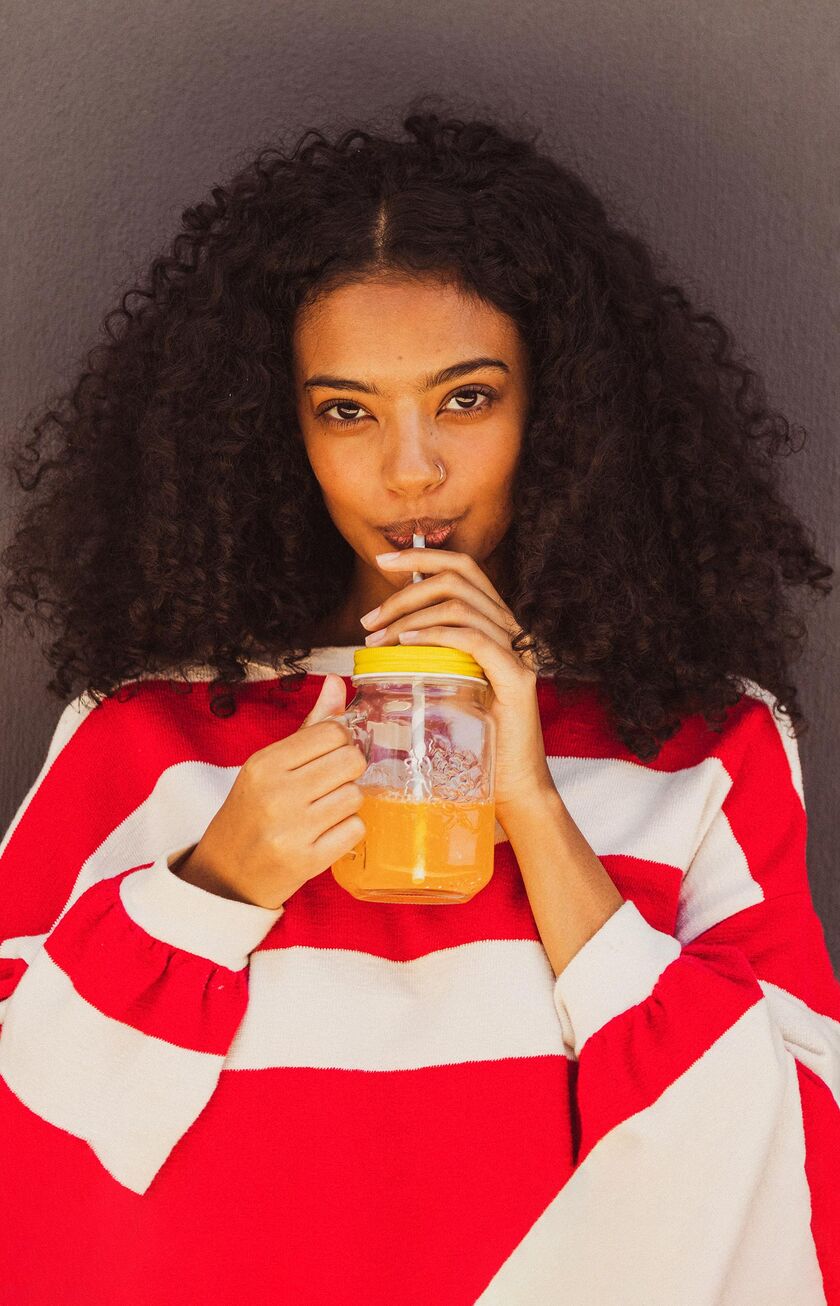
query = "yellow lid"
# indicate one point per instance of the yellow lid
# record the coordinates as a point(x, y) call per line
point(430, 659)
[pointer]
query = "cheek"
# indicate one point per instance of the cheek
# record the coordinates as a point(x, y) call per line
point(493, 469)
point(325, 463)
point(495, 449)
point(342, 478)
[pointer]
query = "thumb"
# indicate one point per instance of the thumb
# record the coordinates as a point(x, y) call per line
point(331, 700)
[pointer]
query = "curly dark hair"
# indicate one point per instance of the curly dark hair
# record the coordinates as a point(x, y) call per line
point(650, 545)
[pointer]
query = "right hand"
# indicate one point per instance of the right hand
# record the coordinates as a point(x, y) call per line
point(292, 812)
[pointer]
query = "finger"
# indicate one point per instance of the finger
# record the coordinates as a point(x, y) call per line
point(445, 584)
point(454, 612)
point(432, 561)
point(507, 674)
point(326, 773)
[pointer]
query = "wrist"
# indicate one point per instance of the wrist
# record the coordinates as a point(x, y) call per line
point(534, 803)
point(193, 868)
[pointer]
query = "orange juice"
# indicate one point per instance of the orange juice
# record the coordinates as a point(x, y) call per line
point(432, 850)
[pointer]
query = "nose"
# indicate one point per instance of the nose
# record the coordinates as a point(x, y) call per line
point(410, 464)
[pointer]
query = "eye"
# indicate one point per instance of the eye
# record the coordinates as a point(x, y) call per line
point(468, 392)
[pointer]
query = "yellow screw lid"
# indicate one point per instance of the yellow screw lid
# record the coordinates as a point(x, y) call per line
point(428, 659)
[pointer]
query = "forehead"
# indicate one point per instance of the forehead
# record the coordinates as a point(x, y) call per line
point(397, 328)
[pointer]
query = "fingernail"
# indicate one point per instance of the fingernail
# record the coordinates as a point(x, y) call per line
point(370, 617)
point(387, 557)
point(377, 637)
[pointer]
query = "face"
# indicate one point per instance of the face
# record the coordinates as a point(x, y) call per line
point(377, 423)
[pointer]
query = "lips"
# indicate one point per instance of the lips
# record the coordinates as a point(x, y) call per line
point(434, 539)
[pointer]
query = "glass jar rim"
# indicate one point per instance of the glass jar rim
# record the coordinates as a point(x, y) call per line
point(427, 675)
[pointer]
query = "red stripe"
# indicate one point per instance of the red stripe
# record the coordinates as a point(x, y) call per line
point(821, 1120)
point(134, 978)
point(578, 723)
point(653, 886)
point(785, 944)
point(11, 970)
point(763, 808)
point(640, 1052)
point(323, 915)
point(298, 1185)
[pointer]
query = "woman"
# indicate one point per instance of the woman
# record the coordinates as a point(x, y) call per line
point(610, 1076)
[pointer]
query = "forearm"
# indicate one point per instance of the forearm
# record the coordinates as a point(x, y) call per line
point(190, 868)
point(570, 892)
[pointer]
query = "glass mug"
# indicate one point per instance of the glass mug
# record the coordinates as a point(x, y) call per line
point(420, 717)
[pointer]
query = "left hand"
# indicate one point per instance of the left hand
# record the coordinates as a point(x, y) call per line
point(457, 606)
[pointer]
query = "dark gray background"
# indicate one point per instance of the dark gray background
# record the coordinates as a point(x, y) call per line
point(711, 129)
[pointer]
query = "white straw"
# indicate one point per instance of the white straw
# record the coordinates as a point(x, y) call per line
point(418, 741)
point(418, 701)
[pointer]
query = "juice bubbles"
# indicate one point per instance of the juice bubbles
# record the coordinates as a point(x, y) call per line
point(434, 850)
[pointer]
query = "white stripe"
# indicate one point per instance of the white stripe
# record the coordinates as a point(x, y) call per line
point(813, 1038)
point(337, 658)
point(700, 1198)
point(321, 1006)
point(201, 672)
point(332, 1007)
point(127, 1094)
point(23, 948)
point(68, 723)
point(616, 969)
point(184, 800)
point(328, 1007)
point(660, 816)
point(718, 883)
point(192, 919)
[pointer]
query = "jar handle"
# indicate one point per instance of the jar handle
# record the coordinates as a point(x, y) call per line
point(355, 718)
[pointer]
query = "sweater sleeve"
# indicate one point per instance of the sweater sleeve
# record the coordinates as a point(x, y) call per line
point(706, 1073)
point(121, 985)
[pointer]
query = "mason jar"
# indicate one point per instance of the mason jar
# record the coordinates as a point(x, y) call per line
point(420, 715)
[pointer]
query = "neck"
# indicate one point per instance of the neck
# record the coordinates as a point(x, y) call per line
point(332, 636)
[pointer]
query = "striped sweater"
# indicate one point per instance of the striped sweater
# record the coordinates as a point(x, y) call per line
point(208, 1102)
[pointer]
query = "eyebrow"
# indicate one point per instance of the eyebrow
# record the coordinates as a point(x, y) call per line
point(428, 382)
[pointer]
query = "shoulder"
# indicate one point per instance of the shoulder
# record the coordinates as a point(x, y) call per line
point(754, 737)
point(172, 705)
point(760, 737)
point(755, 750)
point(170, 684)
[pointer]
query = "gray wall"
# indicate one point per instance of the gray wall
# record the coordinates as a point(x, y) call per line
point(712, 128)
